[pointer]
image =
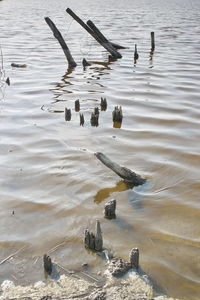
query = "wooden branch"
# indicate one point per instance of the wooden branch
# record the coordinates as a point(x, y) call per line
point(123, 172)
point(60, 39)
point(106, 45)
point(101, 36)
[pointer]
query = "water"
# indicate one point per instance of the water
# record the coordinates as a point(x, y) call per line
point(53, 187)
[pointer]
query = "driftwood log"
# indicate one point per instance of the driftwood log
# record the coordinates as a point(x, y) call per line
point(107, 45)
point(58, 36)
point(125, 173)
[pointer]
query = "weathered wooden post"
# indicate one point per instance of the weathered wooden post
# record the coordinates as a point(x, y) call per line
point(94, 241)
point(128, 175)
point(136, 55)
point(82, 120)
point(103, 104)
point(117, 114)
point(106, 45)
point(77, 105)
point(68, 114)
point(134, 258)
point(47, 264)
point(152, 41)
point(58, 36)
point(109, 209)
point(96, 110)
point(85, 63)
point(94, 120)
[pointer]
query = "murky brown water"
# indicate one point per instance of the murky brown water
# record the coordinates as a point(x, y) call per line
point(49, 176)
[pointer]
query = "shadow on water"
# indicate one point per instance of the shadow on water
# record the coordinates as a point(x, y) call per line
point(105, 193)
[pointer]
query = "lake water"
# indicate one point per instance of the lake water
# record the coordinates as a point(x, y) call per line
point(51, 185)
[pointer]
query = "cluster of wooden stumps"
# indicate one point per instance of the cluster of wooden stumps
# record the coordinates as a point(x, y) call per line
point(92, 29)
point(94, 241)
point(117, 114)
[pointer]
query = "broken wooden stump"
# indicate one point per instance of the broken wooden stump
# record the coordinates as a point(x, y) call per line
point(94, 120)
point(77, 105)
point(136, 55)
point(96, 110)
point(94, 241)
point(47, 264)
point(117, 114)
point(118, 267)
point(82, 120)
point(134, 258)
point(85, 63)
point(109, 209)
point(103, 104)
point(106, 45)
point(68, 114)
point(125, 173)
point(58, 36)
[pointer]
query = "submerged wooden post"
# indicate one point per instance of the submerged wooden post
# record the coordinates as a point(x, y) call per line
point(109, 209)
point(85, 63)
point(94, 241)
point(47, 264)
point(106, 45)
point(58, 36)
point(103, 104)
point(82, 120)
point(94, 120)
point(134, 258)
point(152, 41)
point(117, 114)
point(136, 55)
point(123, 172)
point(77, 105)
point(68, 114)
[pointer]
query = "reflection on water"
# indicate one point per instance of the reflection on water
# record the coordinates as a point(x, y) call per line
point(48, 171)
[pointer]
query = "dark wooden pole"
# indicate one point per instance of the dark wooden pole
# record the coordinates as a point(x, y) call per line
point(152, 41)
point(101, 36)
point(106, 45)
point(60, 39)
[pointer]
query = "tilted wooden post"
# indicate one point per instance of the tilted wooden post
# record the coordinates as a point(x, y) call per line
point(58, 36)
point(106, 45)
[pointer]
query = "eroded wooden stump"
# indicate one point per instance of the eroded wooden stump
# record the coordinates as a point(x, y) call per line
point(47, 264)
point(68, 114)
point(82, 120)
point(103, 104)
point(109, 209)
point(117, 114)
point(94, 120)
point(134, 258)
point(77, 105)
point(85, 63)
point(94, 241)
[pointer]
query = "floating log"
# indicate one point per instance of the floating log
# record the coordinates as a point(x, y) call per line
point(77, 105)
point(123, 172)
point(152, 41)
point(85, 63)
point(58, 36)
point(109, 209)
point(101, 36)
point(136, 55)
point(68, 114)
point(103, 104)
point(14, 65)
point(94, 241)
point(106, 45)
point(94, 120)
point(82, 120)
point(117, 114)
point(134, 258)
point(47, 264)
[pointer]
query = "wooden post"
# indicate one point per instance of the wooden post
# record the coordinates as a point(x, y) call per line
point(77, 105)
point(123, 172)
point(103, 104)
point(152, 41)
point(47, 264)
point(109, 209)
point(68, 114)
point(134, 258)
point(58, 36)
point(85, 63)
point(81, 119)
point(94, 241)
point(106, 45)
point(98, 237)
point(94, 120)
point(117, 114)
point(136, 55)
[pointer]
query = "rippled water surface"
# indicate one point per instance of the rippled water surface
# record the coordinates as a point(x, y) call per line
point(53, 187)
